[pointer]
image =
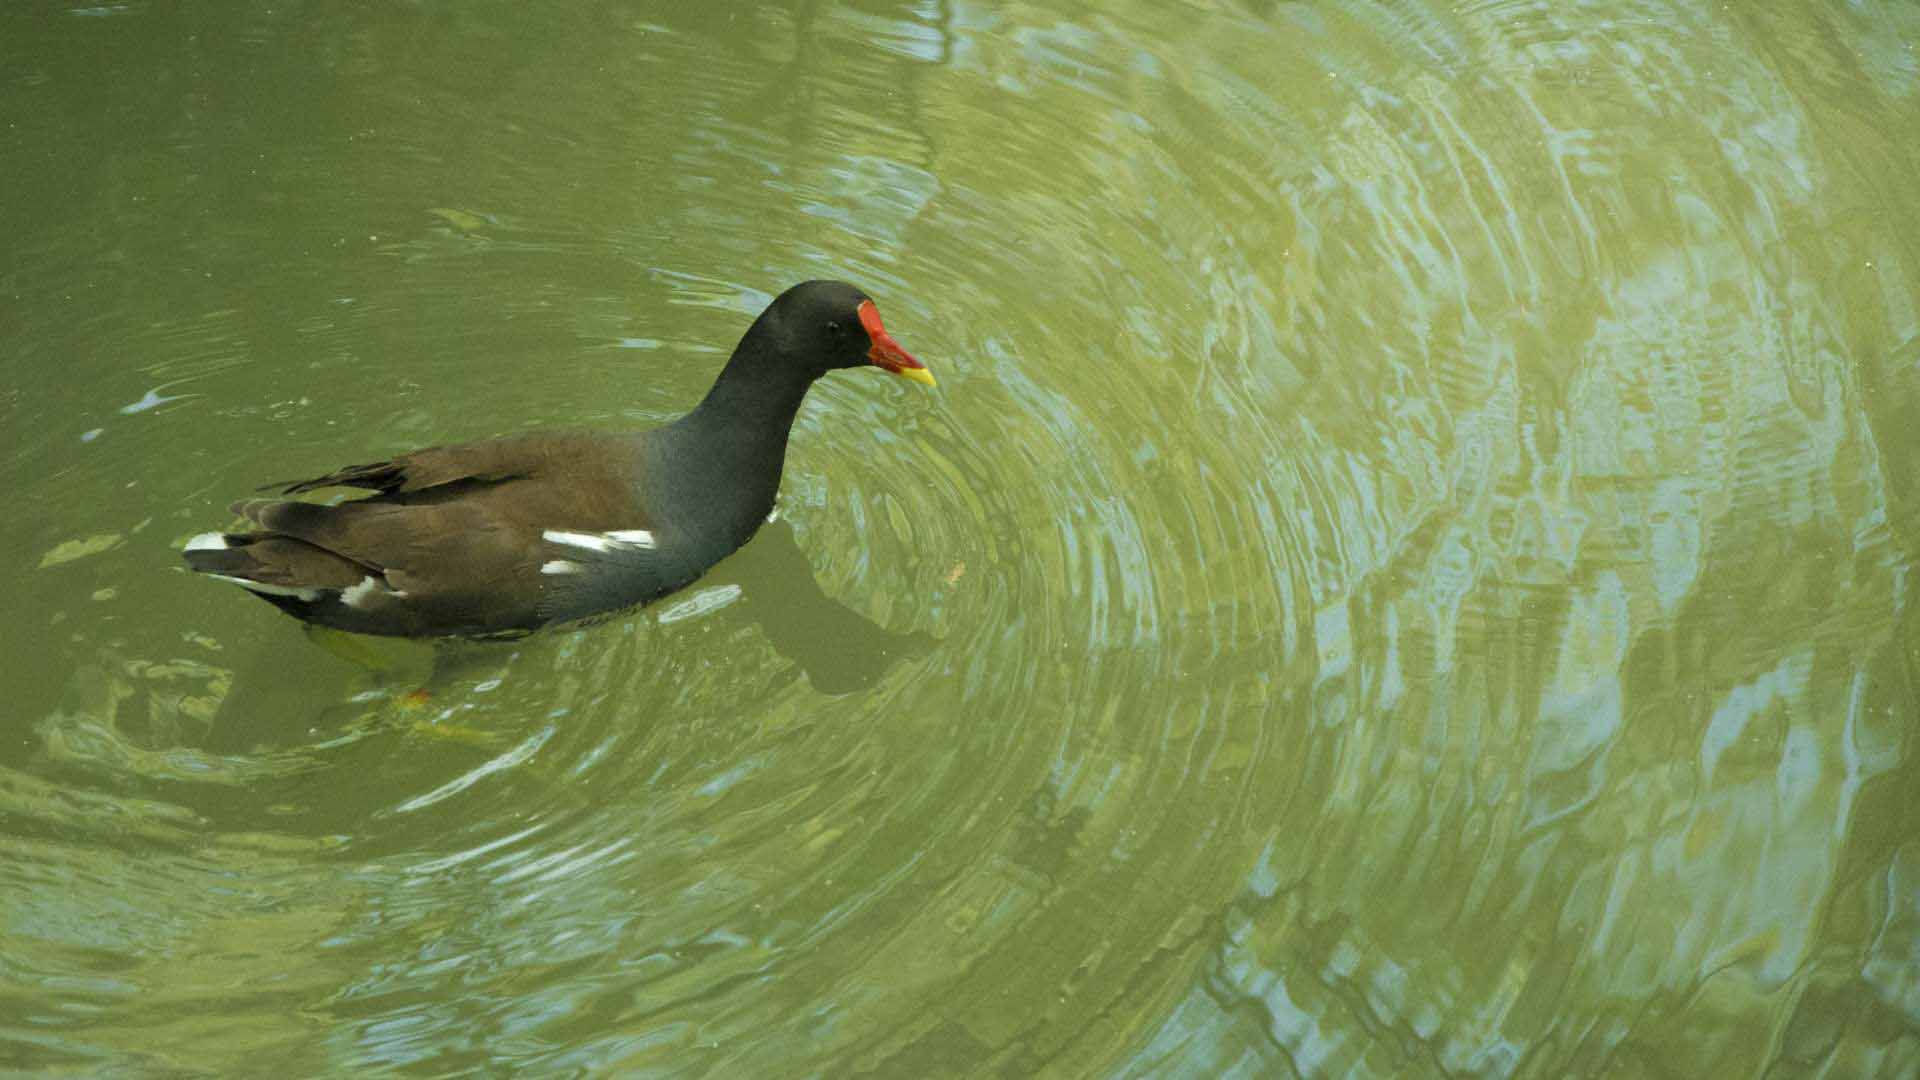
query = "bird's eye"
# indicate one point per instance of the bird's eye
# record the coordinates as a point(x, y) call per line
point(833, 328)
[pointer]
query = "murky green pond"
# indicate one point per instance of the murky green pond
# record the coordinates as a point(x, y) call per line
point(1409, 568)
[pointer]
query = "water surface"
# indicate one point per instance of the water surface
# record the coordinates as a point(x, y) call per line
point(1408, 569)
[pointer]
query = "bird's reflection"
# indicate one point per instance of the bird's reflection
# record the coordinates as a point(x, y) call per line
point(840, 649)
point(768, 582)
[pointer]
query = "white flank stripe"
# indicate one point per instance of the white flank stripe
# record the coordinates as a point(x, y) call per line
point(559, 566)
point(611, 541)
point(590, 541)
point(207, 541)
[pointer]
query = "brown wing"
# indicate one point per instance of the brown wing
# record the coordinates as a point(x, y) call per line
point(456, 533)
point(491, 461)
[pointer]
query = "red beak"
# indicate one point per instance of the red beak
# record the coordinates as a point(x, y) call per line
point(886, 353)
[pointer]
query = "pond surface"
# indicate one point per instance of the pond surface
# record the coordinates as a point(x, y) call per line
point(1408, 570)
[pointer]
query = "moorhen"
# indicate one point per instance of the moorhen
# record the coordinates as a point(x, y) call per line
point(513, 534)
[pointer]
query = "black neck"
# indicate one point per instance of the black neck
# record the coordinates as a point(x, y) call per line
point(729, 451)
point(753, 401)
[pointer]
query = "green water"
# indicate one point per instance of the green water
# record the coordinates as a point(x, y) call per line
point(1408, 570)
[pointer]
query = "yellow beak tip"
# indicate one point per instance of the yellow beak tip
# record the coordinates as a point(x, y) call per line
point(917, 374)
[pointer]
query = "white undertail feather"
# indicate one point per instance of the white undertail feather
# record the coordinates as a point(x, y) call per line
point(559, 566)
point(265, 589)
point(358, 595)
point(207, 541)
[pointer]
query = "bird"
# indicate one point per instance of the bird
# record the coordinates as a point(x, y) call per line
point(506, 536)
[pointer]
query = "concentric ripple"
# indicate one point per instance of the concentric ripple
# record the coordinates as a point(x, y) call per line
point(1406, 570)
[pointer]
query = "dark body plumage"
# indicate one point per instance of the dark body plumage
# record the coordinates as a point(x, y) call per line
point(512, 534)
